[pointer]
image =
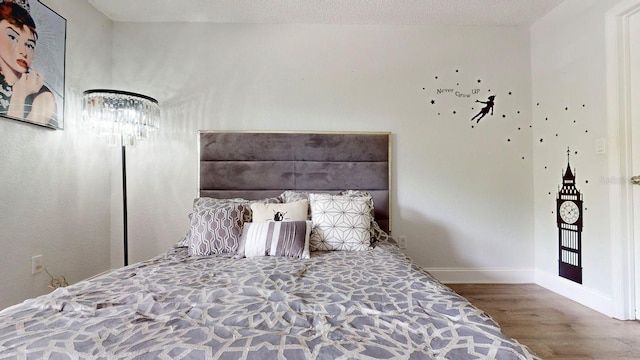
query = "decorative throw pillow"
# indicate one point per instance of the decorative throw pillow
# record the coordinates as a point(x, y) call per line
point(276, 238)
point(340, 222)
point(203, 203)
point(213, 203)
point(295, 211)
point(377, 234)
point(293, 196)
point(184, 242)
point(216, 231)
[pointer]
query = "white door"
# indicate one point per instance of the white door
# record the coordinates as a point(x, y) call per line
point(634, 156)
point(623, 120)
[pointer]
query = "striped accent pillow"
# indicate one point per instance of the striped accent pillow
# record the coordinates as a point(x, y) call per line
point(275, 238)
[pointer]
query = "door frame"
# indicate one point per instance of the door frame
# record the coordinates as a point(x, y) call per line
point(623, 253)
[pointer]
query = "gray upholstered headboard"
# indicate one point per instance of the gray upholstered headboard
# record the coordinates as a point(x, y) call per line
point(256, 165)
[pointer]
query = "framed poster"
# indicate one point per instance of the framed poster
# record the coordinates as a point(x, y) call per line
point(32, 60)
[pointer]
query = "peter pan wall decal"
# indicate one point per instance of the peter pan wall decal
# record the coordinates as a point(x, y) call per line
point(485, 110)
point(454, 96)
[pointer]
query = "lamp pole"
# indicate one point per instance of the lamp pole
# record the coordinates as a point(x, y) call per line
point(124, 203)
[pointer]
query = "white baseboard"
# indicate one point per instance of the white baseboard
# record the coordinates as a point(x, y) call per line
point(592, 299)
point(483, 276)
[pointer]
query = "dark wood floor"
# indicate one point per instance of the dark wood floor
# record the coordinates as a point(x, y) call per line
point(552, 326)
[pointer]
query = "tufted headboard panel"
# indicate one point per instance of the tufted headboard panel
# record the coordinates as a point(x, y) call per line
point(256, 165)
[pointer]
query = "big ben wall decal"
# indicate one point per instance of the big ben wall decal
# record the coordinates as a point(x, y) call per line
point(569, 218)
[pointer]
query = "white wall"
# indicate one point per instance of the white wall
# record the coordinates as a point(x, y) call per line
point(461, 195)
point(54, 198)
point(568, 61)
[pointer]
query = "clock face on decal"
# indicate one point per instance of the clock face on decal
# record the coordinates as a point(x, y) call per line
point(569, 212)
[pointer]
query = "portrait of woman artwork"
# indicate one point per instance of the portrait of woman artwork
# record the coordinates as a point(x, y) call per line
point(32, 56)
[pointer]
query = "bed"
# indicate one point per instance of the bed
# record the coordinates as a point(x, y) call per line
point(361, 299)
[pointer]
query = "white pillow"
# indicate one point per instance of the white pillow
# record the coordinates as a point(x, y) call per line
point(340, 222)
point(294, 211)
point(377, 234)
point(276, 238)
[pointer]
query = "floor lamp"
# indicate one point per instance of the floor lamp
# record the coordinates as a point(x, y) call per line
point(125, 117)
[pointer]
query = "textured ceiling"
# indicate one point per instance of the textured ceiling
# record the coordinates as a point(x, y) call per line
point(374, 12)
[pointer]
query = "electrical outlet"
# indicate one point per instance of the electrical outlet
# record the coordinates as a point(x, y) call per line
point(36, 264)
point(402, 242)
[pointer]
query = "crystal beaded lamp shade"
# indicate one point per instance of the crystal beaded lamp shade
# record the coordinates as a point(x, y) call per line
point(120, 114)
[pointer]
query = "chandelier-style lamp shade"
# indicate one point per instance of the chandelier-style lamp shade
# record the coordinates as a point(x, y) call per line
point(124, 116)
point(120, 115)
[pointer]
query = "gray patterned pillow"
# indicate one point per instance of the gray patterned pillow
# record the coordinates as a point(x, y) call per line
point(293, 196)
point(340, 222)
point(276, 238)
point(184, 242)
point(214, 203)
point(216, 231)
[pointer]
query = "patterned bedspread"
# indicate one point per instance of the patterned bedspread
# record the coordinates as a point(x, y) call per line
point(336, 305)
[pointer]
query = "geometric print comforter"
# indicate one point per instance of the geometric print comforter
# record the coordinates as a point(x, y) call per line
point(374, 304)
